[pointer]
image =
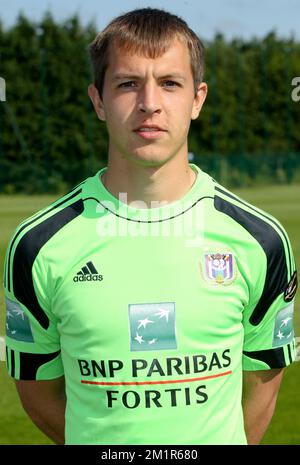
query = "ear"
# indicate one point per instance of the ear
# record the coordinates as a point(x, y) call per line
point(97, 102)
point(199, 100)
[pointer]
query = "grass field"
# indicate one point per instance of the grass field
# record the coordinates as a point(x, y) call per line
point(281, 201)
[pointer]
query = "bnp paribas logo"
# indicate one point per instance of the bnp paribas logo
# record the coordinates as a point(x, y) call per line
point(152, 326)
point(283, 329)
point(17, 323)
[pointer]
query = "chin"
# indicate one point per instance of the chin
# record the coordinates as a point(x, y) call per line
point(148, 159)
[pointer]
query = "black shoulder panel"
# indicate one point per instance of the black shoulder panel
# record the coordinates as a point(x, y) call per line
point(30, 363)
point(274, 358)
point(276, 275)
point(28, 223)
point(26, 252)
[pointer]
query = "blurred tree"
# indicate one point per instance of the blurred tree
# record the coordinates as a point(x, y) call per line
point(50, 137)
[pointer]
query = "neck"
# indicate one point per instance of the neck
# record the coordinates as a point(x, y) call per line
point(149, 186)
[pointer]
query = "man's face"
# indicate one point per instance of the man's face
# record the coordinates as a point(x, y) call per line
point(157, 93)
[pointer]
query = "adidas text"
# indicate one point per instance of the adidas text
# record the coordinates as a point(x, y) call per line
point(89, 277)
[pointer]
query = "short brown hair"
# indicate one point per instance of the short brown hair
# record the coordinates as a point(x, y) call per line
point(149, 31)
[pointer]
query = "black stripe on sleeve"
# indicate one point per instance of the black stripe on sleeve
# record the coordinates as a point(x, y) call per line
point(28, 223)
point(7, 359)
point(290, 353)
point(274, 358)
point(276, 273)
point(5, 272)
point(30, 363)
point(12, 364)
point(27, 250)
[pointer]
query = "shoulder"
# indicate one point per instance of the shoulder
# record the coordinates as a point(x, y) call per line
point(279, 272)
point(33, 232)
point(263, 227)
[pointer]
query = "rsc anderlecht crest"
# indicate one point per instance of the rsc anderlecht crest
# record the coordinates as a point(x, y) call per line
point(219, 268)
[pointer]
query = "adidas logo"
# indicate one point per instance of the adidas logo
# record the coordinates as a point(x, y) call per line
point(88, 273)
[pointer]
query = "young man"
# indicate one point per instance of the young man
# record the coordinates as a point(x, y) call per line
point(149, 305)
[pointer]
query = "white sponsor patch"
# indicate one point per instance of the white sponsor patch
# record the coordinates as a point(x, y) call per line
point(283, 330)
point(17, 323)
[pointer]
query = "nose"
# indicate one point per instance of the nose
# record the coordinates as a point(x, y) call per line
point(149, 99)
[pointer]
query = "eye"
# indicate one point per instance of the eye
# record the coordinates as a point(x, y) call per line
point(171, 83)
point(126, 84)
point(129, 84)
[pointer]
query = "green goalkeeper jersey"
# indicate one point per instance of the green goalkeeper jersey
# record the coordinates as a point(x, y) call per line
point(151, 314)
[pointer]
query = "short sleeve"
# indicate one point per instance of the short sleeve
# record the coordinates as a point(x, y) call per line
point(32, 340)
point(269, 339)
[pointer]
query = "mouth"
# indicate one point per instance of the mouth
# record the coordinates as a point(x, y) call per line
point(150, 132)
